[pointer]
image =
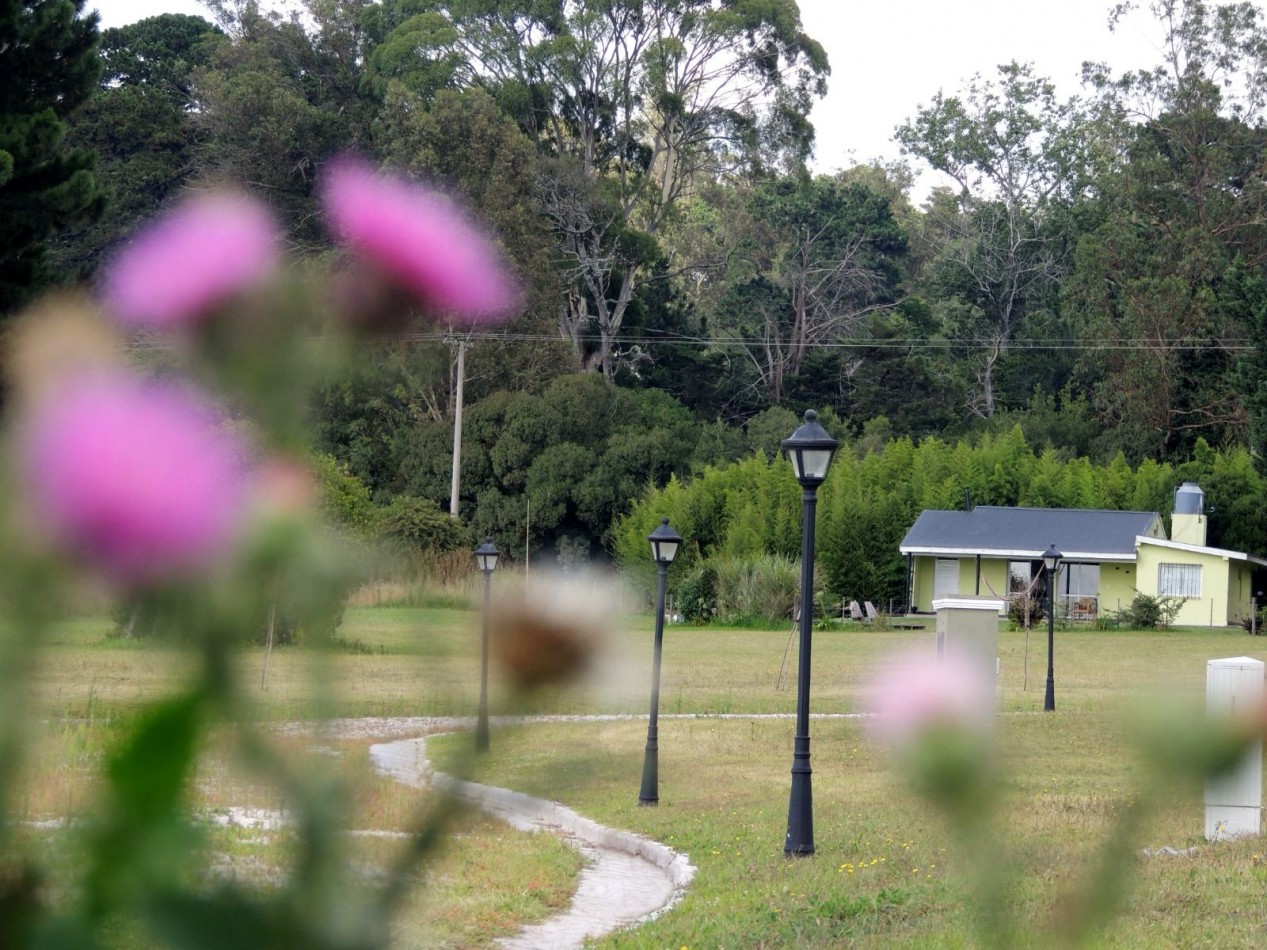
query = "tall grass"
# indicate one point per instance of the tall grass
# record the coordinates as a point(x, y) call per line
point(422, 579)
point(764, 586)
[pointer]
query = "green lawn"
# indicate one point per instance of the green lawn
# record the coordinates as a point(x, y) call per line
point(886, 872)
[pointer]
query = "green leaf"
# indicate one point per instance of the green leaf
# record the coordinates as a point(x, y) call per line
point(148, 775)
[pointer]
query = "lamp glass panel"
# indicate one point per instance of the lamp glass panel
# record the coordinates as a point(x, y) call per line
point(794, 456)
point(487, 562)
point(815, 463)
point(664, 551)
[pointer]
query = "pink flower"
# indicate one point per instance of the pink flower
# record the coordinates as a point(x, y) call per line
point(419, 241)
point(919, 694)
point(135, 477)
point(208, 250)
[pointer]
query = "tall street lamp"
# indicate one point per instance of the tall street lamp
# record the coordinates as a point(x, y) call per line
point(664, 544)
point(486, 556)
point(1051, 560)
point(810, 450)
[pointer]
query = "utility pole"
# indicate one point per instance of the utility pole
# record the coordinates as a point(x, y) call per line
point(457, 431)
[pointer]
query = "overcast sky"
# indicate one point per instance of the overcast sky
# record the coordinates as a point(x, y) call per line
point(890, 56)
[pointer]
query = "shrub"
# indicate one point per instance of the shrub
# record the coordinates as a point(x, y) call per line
point(697, 596)
point(417, 525)
point(1023, 611)
point(1254, 625)
point(1146, 612)
point(345, 499)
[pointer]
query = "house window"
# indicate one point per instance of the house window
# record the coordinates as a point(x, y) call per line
point(1080, 580)
point(1019, 575)
point(1179, 580)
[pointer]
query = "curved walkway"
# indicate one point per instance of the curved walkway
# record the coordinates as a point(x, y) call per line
point(627, 879)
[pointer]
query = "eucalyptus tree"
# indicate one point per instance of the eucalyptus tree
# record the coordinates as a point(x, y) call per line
point(1016, 154)
point(634, 102)
point(818, 260)
point(1162, 278)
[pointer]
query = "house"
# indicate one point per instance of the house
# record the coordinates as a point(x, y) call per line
point(1107, 557)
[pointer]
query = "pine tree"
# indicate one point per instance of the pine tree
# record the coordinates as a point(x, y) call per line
point(48, 58)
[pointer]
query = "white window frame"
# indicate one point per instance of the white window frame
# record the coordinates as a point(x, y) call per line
point(1179, 580)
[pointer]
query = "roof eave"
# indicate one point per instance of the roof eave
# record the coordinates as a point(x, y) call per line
point(1201, 549)
point(1018, 553)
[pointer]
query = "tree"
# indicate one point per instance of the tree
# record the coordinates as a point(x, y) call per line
point(1183, 213)
point(1016, 153)
point(48, 56)
point(560, 464)
point(634, 102)
point(282, 96)
point(1248, 288)
point(820, 258)
point(139, 126)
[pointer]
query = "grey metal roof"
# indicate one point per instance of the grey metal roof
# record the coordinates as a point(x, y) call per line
point(1017, 531)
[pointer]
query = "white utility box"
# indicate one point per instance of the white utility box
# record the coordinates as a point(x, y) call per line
point(1233, 801)
point(969, 626)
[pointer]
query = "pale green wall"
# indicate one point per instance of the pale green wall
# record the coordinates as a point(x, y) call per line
point(993, 575)
point(967, 575)
point(993, 578)
point(1117, 581)
point(1117, 587)
point(1226, 586)
point(1240, 591)
point(1211, 608)
point(922, 592)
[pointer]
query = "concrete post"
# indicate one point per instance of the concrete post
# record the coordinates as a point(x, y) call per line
point(1233, 802)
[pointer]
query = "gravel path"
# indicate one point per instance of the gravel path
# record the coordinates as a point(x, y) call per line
point(626, 880)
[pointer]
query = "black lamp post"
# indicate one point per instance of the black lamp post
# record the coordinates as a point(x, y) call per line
point(664, 544)
point(810, 450)
point(1051, 560)
point(486, 556)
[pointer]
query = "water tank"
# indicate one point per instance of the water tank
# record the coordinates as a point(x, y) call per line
point(1189, 499)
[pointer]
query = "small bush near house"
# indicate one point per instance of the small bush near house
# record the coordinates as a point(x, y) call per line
point(1146, 612)
point(1025, 611)
point(1254, 625)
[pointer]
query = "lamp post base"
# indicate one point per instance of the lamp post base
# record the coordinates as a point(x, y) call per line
point(650, 794)
point(800, 810)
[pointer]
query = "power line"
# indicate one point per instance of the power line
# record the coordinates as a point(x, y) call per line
point(1235, 345)
point(1238, 344)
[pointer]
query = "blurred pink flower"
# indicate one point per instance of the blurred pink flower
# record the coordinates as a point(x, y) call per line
point(917, 694)
point(282, 486)
point(418, 240)
point(133, 476)
point(211, 248)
